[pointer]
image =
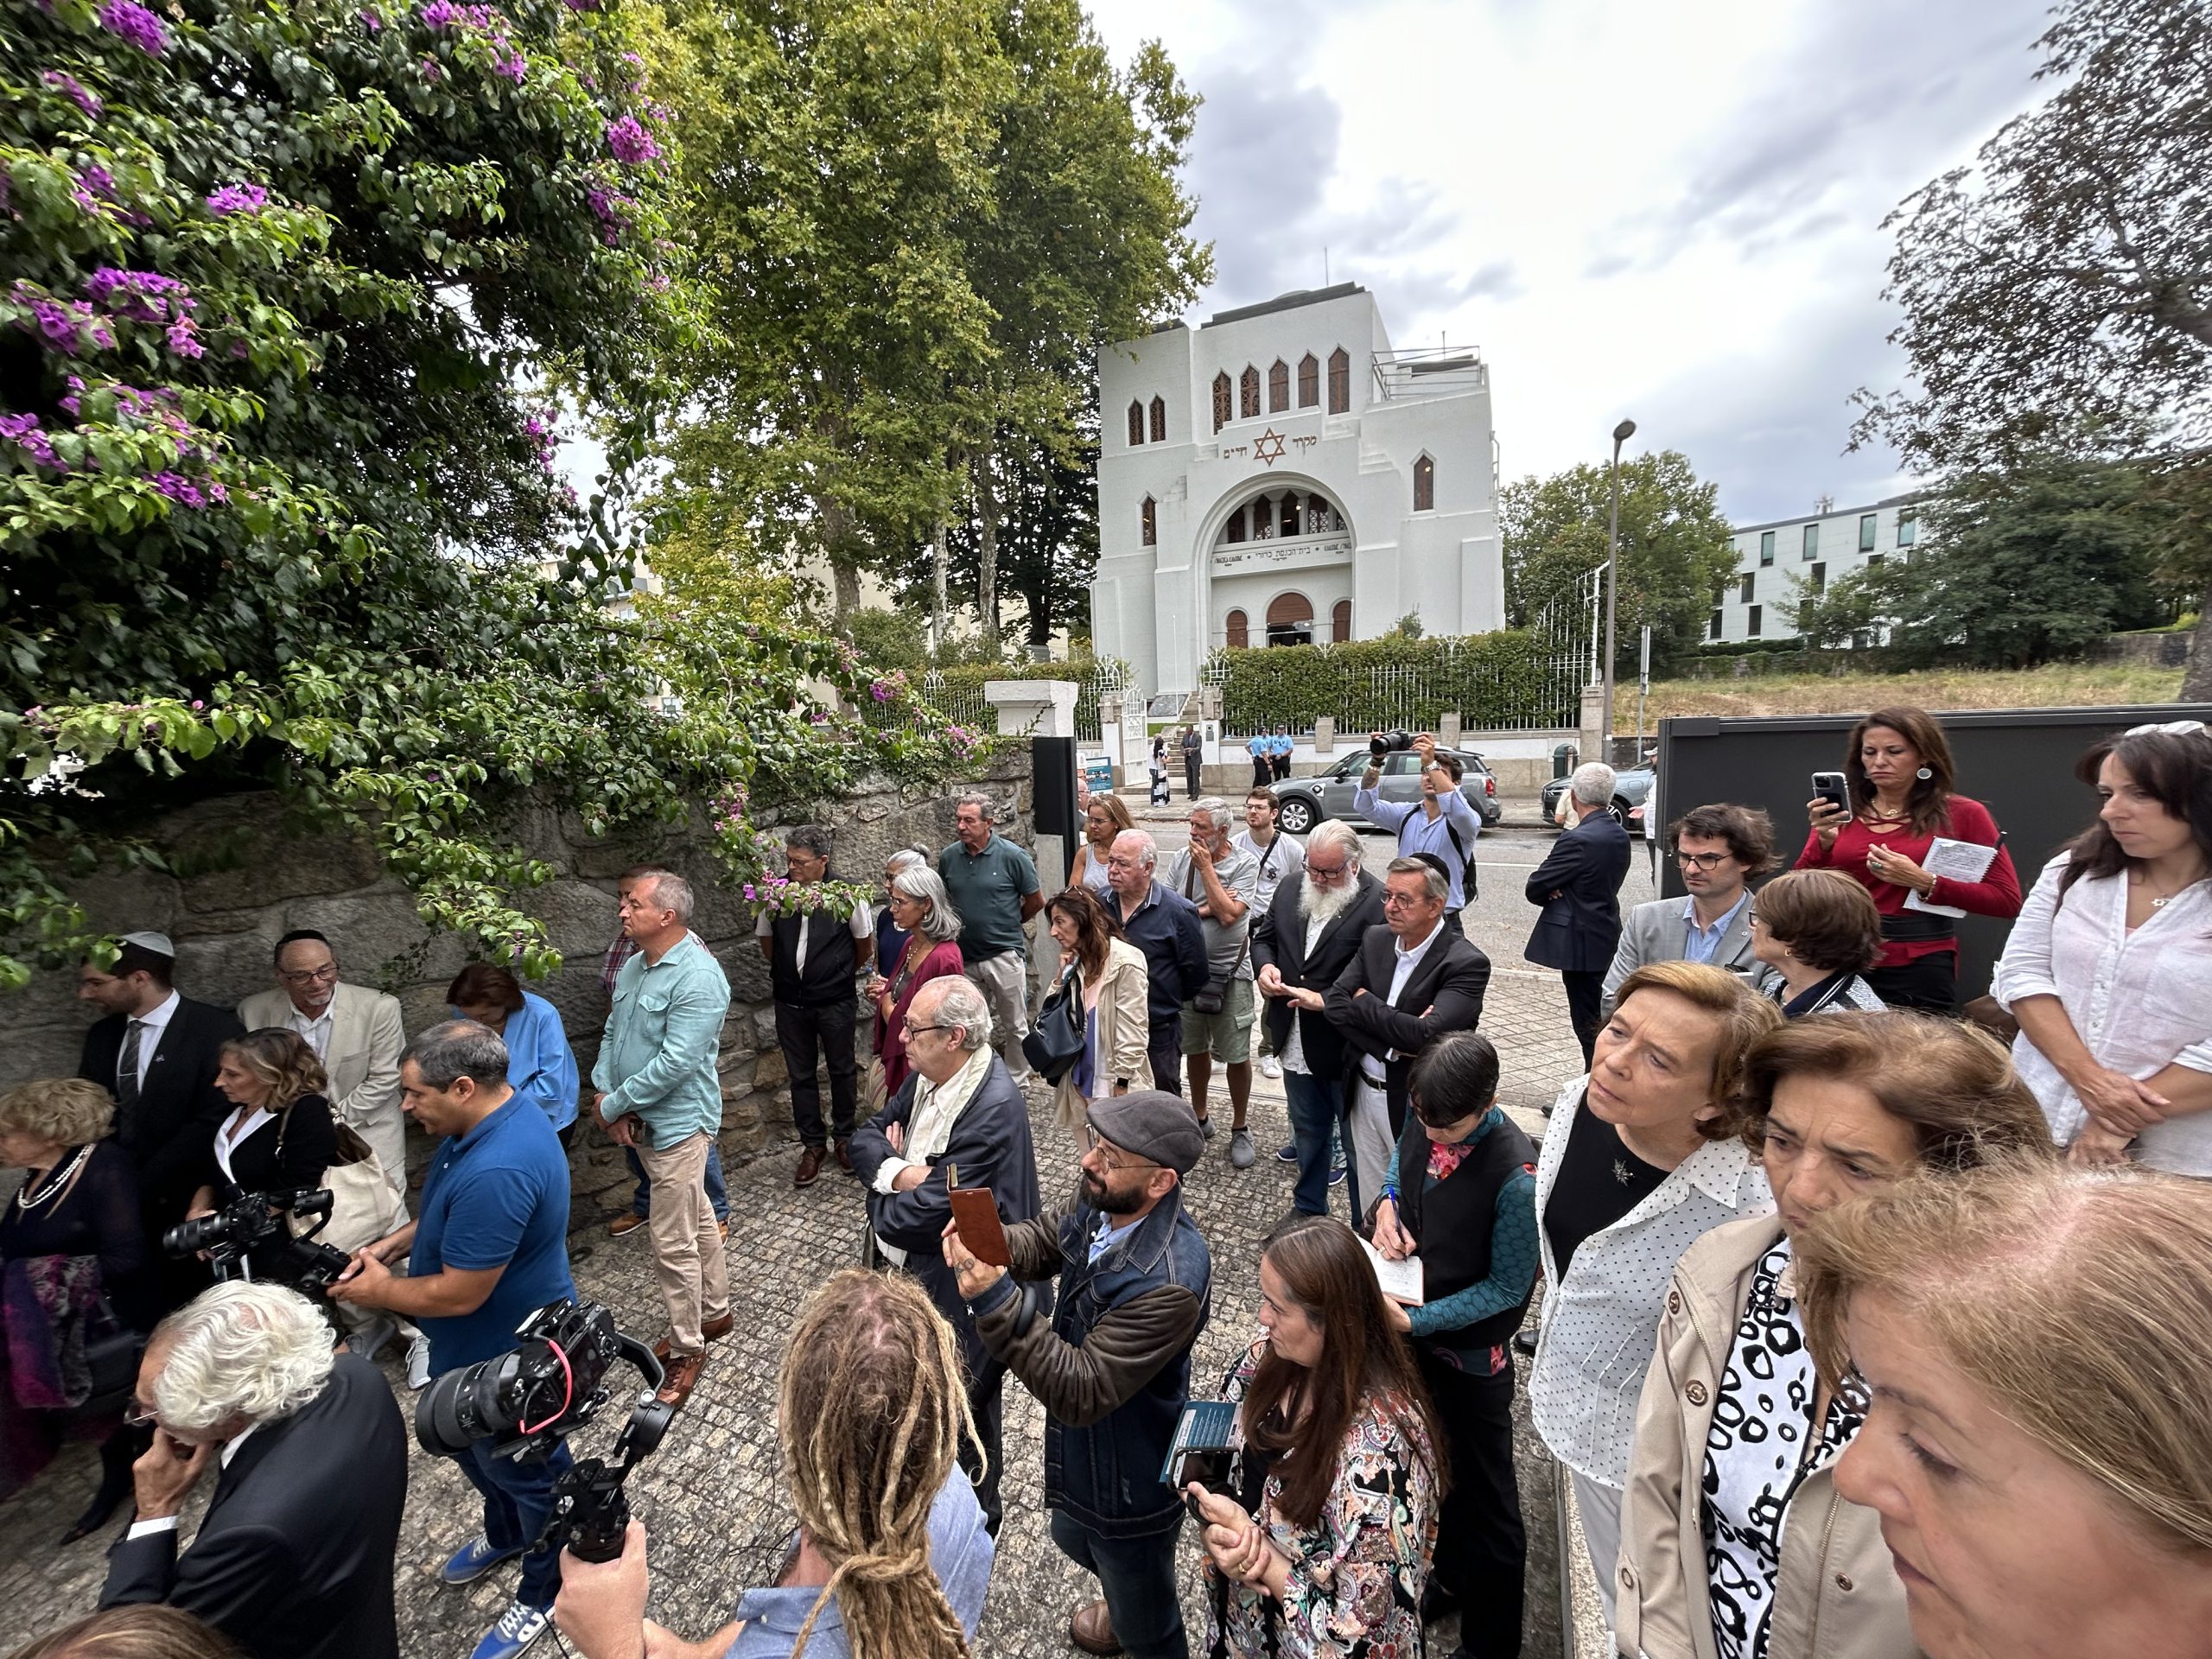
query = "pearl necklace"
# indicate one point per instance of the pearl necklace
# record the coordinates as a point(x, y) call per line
point(57, 1183)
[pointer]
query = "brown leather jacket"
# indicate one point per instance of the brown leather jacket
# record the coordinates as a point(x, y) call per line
point(1837, 1595)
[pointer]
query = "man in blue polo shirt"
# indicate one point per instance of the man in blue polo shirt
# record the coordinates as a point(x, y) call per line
point(488, 1248)
point(993, 886)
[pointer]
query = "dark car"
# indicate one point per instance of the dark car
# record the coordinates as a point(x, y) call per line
point(1631, 788)
point(1303, 802)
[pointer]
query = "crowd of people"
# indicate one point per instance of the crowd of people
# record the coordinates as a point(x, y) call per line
point(1863, 1331)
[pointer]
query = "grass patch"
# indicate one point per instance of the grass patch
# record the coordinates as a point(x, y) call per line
point(2060, 685)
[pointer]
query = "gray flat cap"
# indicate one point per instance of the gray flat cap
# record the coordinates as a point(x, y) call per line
point(1153, 1124)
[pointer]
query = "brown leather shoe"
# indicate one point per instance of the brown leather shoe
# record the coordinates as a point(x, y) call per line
point(845, 1155)
point(1090, 1629)
point(713, 1330)
point(622, 1226)
point(682, 1376)
point(809, 1168)
point(723, 1227)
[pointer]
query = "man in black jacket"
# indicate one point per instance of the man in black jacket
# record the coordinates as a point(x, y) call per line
point(813, 957)
point(1579, 886)
point(960, 1117)
point(156, 1053)
point(1413, 980)
point(295, 1557)
point(1164, 925)
point(1307, 937)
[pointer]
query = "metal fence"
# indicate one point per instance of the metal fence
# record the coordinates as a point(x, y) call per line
point(959, 695)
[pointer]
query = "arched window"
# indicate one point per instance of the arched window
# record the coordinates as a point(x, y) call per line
point(1288, 518)
point(1248, 398)
point(1264, 520)
point(1158, 421)
point(1340, 622)
point(1136, 423)
point(1309, 381)
point(1290, 619)
point(1220, 401)
point(1339, 382)
point(1424, 484)
point(1236, 531)
point(1239, 631)
point(1149, 522)
point(1278, 387)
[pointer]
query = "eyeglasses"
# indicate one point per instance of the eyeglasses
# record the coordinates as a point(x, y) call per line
point(1703, 860)
point(913, 1030)
point(137, 1414)
point(310, 975)
point(1330, 871)
point(2171, 728)
point(1403, 901)
point(1094, 1141)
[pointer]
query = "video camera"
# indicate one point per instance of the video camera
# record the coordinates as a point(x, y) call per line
point(250, 1238)
point(1384, 743)
point(528, 1401)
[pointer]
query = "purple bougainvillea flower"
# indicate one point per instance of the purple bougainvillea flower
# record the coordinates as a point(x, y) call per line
point(371, 20)
point(630, 142)
point(430, 70)
point(181, 340)
point(127, 20)
point(514, 66)
point(238, 198)
point(24, 432)
point(71, 88)
point(179, 488)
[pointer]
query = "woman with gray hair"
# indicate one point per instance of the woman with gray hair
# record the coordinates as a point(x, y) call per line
point(924, 913)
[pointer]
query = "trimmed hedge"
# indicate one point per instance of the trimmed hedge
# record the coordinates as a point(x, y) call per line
point(1491, 680)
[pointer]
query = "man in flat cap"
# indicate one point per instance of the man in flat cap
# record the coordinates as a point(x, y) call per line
point(1111, 1359)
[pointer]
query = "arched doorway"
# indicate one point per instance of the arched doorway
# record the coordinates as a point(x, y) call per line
point(1290, 619)
point(1237, 631)
point(1340, 622)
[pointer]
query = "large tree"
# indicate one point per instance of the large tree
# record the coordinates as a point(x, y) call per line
point(1673, 549)
point(2057, 293)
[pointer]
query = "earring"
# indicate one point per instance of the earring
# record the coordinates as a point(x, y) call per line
point(1924, 774)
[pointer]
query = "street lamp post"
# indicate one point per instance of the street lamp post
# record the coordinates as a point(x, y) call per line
point(1622, 434)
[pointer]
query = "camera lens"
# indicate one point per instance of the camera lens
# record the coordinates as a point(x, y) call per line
point(462, 1408)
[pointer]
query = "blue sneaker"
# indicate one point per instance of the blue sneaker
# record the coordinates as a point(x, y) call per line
point(1336, 1174)
point(1289, 1153)
point(474, 1559)
point(518, 1627)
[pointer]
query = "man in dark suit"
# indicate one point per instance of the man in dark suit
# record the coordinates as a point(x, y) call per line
point(1307, 935)
point(959, 1111)
point(1413, 980)
point(295, 1557)
point(1579, 886)
point(156, 1053)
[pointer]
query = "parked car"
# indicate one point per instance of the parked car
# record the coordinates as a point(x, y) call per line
point(1631, 788)
point(1303, 802)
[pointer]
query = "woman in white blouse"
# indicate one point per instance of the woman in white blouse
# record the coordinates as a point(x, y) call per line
point(2109, 968)
point(1638, 1162)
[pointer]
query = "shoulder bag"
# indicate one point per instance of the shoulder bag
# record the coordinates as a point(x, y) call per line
point(1057, 1035)
point(365, 1201)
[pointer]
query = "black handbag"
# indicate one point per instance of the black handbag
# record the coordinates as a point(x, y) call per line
point(1056, 1036)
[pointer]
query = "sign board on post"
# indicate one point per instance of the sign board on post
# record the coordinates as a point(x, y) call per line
point(1098, 773)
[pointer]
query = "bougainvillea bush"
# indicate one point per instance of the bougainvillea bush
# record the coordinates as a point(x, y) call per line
point(296, 300)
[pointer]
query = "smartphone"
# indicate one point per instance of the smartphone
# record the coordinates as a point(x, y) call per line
point(1831, 787)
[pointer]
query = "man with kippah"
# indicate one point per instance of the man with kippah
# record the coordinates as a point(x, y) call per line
point(1111, 1359)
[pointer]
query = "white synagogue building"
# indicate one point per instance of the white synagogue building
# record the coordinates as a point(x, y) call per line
point(1281, 476)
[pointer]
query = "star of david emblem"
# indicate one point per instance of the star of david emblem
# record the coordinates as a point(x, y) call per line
point(1268, 446)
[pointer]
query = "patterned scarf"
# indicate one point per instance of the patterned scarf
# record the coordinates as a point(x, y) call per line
point(1443, 1159)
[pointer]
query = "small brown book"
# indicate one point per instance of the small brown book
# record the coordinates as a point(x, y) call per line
point(981, 1231)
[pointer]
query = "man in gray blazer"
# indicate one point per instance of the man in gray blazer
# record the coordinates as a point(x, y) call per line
point(355, 1031)
point(1717, 851)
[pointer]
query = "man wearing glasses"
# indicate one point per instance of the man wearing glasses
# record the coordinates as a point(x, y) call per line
point(1112, 1365)
point(1717, 850)
point(1164, 925)
point(356, 1032)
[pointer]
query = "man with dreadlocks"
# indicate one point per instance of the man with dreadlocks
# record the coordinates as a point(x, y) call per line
point(891, 1560)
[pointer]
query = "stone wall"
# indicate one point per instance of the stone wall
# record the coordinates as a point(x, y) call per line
point(246, 878)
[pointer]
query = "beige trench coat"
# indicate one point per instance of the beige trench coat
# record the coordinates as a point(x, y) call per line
point(1124, 1032)
point(1837, 1595)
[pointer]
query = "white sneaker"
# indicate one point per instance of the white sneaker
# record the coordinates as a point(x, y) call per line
point(1271, 1067)
point(418, 1362)
point(370, 1340)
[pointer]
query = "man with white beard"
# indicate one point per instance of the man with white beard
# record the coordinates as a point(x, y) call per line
point(1301, 943)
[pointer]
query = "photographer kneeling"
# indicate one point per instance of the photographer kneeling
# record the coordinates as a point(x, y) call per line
point(891, 1560)
point(488, 1248)
point(294, 1554)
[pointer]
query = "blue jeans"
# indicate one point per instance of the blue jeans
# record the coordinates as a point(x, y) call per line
point(1316, 1106)
point(518, 1498)
point(1137, 1577)
point(642, 1205)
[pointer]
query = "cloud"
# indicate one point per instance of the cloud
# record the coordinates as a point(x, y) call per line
point(1262, 155)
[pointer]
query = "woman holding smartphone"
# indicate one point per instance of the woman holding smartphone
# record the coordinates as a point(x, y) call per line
point(1898, 802)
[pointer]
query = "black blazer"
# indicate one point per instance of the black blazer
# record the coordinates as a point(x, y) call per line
point(295, 1557)
point(1279, 936)
point(170, 1126)
point(1580, 929)
point(311, 1146)
point(1444, 993)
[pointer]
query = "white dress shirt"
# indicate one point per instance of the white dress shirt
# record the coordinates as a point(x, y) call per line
point(234, 1133)
point(315, 1029)
point(2140, 1002)
point(167, 1522)
point(1294, 1053)
point(1601, 1325)
point(151, 1024)
point(861, 926)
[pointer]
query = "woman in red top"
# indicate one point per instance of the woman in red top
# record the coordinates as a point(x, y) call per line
point(920, 904)
point(1898, 767)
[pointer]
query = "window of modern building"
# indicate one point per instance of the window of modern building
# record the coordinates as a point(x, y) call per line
point(1908, 525)
point(1820, 583)
point(1278, 387)
point(1149, 522)
point(1136, 423)
point(1713, 627)
point(1874, 560)
point(1766, 548)
point(1751, 622)
point(1290, 619)
point(1238, 630)
point(1339, 382)
point(1247, 391)
point(1309, 381)
point(1159, 420)
point(1236, 532)
point(1424, 484)
point(1340, 617)
point(1750, 577)
point(1220, 401)
point(1866, 533)
point(1812, 541)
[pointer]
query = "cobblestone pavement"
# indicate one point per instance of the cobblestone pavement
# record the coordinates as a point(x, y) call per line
point(710, 1497)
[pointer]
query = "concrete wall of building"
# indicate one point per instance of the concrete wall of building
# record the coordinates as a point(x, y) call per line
point(1781, 571)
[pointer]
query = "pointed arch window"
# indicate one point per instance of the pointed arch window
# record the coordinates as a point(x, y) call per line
point(1339, 382)
point(1158, 419)
point(1236, 531)
point(1340, 622)
point(1136, 423)
point(1238, 629)
point(1149, 522)
point(1248, 399)
point(1309, 381)
point(1288, 518)
point(1220, 400)
point(1278, 387)
point(1424, 484)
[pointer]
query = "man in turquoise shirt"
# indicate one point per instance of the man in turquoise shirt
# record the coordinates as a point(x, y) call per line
point(659, 1094)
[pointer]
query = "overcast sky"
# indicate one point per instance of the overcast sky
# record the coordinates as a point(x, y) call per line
point(1666, 211)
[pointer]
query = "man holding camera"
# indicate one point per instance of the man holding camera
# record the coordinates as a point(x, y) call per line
point(1443, 824)
point(489, 1247)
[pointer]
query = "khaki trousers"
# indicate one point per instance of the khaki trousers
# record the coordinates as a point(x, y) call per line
point(688, 1254)
point(1004, 982)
